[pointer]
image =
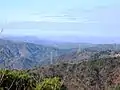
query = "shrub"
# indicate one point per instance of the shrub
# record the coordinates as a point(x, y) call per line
point(50, 84)
point(14, 79)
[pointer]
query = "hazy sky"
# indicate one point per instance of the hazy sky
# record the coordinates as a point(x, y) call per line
point(60, 17)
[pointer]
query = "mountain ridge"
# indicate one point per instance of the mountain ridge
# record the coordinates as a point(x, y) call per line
point(19, 51)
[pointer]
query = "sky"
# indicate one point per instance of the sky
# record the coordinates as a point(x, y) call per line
point(60, 18)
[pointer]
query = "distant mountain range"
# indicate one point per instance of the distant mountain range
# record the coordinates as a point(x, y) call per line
point(28, 52)
point(46, 42)
point(94, 66)
point(26, 55)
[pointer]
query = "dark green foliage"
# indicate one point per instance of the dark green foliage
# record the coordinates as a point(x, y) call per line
point(50, 84)
point(13, 79)
point(22, 80)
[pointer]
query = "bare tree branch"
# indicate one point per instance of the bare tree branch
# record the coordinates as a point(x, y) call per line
point(11, 85)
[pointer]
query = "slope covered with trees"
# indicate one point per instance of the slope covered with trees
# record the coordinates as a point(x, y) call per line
point(23, 55)
point(100, 74)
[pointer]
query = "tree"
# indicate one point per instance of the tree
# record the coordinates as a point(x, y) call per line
point(50, 84)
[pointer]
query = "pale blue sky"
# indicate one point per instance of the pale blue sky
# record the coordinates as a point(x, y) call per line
point(60, 17)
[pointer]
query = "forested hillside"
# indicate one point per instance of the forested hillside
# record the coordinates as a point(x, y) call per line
point(99, 74)
point(41, 67)
point(23, 55)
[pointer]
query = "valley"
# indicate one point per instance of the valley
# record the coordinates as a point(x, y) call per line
point(93, 67)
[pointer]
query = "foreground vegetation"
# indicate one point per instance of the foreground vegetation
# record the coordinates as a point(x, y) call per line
point(101, 74)
point(21, 80)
